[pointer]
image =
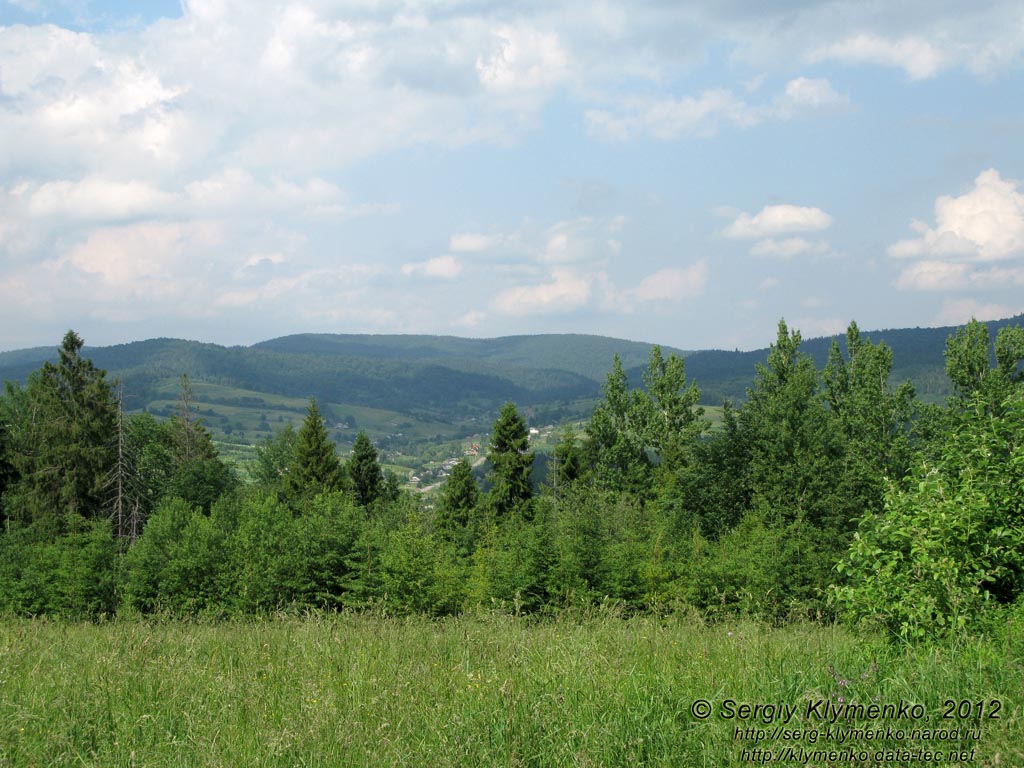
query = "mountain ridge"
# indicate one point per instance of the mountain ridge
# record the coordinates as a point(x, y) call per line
point(420, 379)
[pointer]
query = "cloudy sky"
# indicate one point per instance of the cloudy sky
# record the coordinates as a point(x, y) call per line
point(683, 173)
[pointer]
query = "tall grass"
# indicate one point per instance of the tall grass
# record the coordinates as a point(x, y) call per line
point(366, 690)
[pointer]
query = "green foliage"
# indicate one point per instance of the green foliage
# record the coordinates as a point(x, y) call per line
point(61, 439)
point(672, 420)
point(950, 541)
point(364, 472)
point(967, 363)
point(457, 516)
point(274, 456)
point(179, 563)
point(315, 467)
point(511, 462)
point(588, 688)
point(420, 571)
point(616, 445)
point(71, 575)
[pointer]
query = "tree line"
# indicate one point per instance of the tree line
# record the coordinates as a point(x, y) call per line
point(827, 494)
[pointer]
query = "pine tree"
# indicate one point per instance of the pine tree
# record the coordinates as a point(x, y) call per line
point(315, 467)
point(511, 461)
point(364, 471)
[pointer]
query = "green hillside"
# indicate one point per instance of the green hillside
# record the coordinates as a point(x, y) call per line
point(410, 391)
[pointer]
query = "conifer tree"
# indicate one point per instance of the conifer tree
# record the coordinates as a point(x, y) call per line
point(672, 421)
point(511, 460)
point(63, 437)
point(456, 512)
point(274, 456)
point(616, 448)
point(315, 467)
point(364, 471)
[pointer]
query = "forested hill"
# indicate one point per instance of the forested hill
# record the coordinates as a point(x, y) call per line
point(426, 385)
point(447, 379)
point(918, 356)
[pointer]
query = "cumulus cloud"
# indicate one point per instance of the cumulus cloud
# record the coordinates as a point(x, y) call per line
point(523, 58)
point(470, 242)
point(567, 290)
point(669, 118)
point(446, 267)
point(933, 276)
point(806, 95)
point(702, 116)
point(673, 284)
point(918, 57)
point(775, 220)
point(977, 241)
point(242, 120)
point(789, 247)
point(960, 311)
point(984, 224)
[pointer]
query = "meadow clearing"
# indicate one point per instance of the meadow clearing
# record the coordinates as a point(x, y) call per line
point(364, 689)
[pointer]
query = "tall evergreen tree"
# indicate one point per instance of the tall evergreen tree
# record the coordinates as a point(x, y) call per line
point(786, 428)
point(616, 449)
point(567, 460)
point(6, 467)
point(315, 467)
point(62, 438)
point(672, 419)
point(456, 514)
point(364, 471)
point(511, 461)
point(274, 456)
point(869, 415)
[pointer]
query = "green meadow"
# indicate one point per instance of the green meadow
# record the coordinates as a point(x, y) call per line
point(365, 689)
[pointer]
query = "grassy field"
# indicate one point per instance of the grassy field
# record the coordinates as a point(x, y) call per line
point(354, 690)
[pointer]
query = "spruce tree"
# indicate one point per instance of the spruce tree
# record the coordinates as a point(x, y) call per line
point(364, 471)
point(315, 467)
point(63, 438)
point(456, 519)
point(511, 461)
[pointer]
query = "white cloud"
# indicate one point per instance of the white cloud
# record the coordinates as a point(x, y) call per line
point(960, 311)
point(668, 119)
point(471, 319)
point(790, 247)
point(566, 291)
point(918, 57)
point(933, 276)
point(470, 242)
point(446, 267)
point(148, 260)
point(97, 199)
point(814, 327)
point(523, 58)
point(806, 95)
point(673, 284)
point(778, 220)
point(985, 224)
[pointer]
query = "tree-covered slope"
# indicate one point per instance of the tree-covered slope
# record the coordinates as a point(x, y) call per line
point(440, 378)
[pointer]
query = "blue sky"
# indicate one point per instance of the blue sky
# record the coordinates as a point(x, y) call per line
point(685, 174)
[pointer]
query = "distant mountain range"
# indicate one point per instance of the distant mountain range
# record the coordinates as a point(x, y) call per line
point(431, 387)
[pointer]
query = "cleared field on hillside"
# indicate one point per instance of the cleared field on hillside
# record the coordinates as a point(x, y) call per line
point(485, 690)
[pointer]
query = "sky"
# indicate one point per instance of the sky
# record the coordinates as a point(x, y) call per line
point(680, 173)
